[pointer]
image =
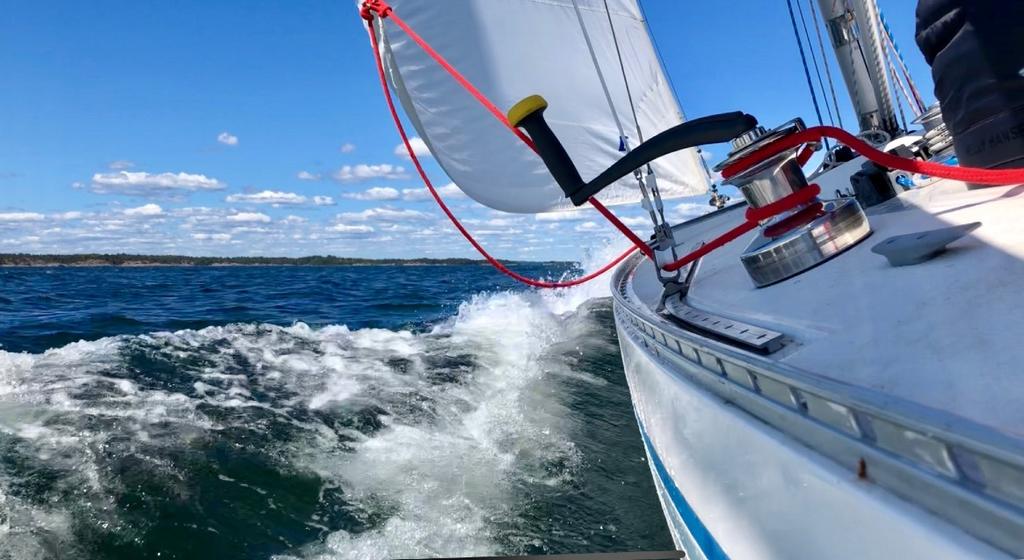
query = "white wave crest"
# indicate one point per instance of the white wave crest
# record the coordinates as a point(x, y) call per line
point(459, 419)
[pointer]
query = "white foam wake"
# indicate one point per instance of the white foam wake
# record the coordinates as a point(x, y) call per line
point(458, 419)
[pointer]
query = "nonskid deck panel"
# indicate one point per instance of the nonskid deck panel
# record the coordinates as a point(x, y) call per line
point(963, 472)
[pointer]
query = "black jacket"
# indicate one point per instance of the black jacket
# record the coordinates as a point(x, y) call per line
point(976, 50)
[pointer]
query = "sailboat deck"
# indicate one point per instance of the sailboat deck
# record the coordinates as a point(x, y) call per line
point(945, 333)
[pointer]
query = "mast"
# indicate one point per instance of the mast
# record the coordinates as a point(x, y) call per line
point(859, 50)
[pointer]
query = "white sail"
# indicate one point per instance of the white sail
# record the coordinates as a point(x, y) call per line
point(510, 49)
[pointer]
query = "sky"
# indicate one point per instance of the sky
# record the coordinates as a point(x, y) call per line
point(258, 128)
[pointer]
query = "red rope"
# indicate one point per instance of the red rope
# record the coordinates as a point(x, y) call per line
point(637, 242)
point(974, 175)
point(814, 134)
point(466, 84)
point(444, 207)
point(753, 217)
point(388, 12)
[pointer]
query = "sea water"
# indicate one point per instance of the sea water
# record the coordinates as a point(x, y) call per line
point(308, 412)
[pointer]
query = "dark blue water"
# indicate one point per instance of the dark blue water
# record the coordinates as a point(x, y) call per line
point(306, 412)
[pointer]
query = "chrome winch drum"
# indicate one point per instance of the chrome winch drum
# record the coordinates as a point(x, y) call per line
point(802, 238)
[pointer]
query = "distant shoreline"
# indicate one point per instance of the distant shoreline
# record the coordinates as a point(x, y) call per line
point(127, 260)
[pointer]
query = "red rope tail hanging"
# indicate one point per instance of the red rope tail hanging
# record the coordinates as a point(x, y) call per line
point(444, 207)
point(386, 11)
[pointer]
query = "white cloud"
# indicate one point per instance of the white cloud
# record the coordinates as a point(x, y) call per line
point(140, 182)
point(419, 147)
point(294, 220)
point(347, 148)
point(342, 228)
point(688, 211)
point(365, 172)
point(249, 217)
point(120, 164)
point(189, 211)
point(72, 215)
point(565, 215)
point(636, 221)
point(144, 210)
point(448, 191)
point(20, 217)
point(268, 197)
point(588, 226)
point(227, 139)
point(307, 176)
point(320, 200)
point(385, 214)
point(375, 193)
point(212, 236)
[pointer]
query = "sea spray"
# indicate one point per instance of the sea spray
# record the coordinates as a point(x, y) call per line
point(504, 428)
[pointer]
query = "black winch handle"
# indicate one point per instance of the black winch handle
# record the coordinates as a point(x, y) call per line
point(529, 115)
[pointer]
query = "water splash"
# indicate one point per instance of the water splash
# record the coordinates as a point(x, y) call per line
point(255, 440)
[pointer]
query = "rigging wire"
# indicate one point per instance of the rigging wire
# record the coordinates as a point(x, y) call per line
point(899, 88)
point(903, 63)
point(658, 206)
point(600, 75)
point(803, 59)
point(828, 71)
point(814, 59)
point(661, 59)
point(444, 207)
point(672, 86)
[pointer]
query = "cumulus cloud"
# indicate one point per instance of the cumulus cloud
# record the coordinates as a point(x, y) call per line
point(636, 221)
point(347, 148)
point(227, 139)
point(144, 210)
point(141, 182)
point(120, 164)
point(221, 237)
point(419, 147)
point(70, 215)
point(307, 176)
point(344, 228)
point(421, 194)
point(688, 211)
point(365, 172)
point(375, 193)
point(276, 198)
point(21, 217)
point(248, 217)
point(320, 200)
point(588, 226)
point(565, 215)
point(385, 214)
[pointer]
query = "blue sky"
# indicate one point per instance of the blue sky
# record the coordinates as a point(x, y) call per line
point(258, 128)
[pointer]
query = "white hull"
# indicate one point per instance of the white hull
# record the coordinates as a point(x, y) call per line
point(733, 487)
point(885, 424)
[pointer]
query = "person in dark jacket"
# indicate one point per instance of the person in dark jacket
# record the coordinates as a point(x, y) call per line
point(976, 51)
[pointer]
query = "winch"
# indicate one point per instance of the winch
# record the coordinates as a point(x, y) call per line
point(802, 238)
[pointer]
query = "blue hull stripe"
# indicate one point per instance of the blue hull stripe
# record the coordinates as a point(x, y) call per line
point(704, 539)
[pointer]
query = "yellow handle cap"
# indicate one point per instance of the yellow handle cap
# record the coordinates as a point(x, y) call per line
point(525, 108)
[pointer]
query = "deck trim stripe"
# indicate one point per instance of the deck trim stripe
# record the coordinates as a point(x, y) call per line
point(700, 533)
